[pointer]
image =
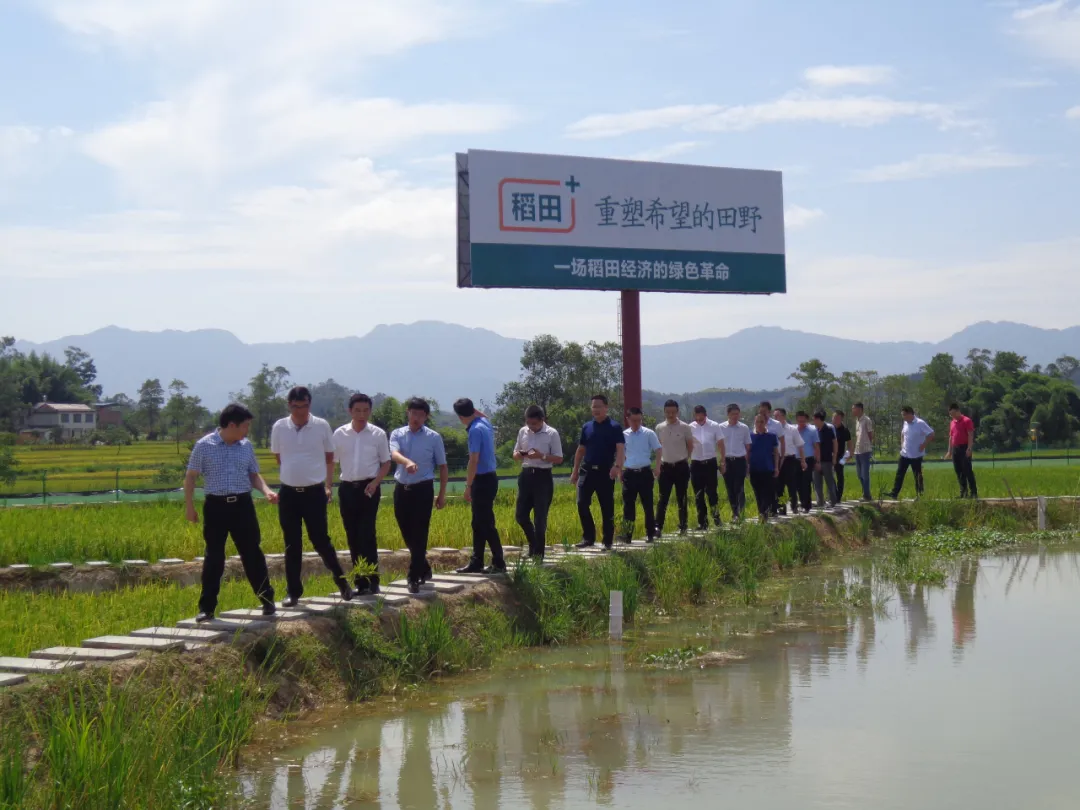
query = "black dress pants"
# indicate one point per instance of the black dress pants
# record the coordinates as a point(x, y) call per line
point(764, 486)
point(901, 471)
point(225, 516)
point(638, 484)
point(788, 480)
point(675, 475)
point(358, 514)
point(596, 480)
point(299, 507)
point(839, 470)
point(965, 474)
point(484, 489)
point(704, 478)
point(735, 483)
point(806, 484)
point(536, 487)
point(412, 508)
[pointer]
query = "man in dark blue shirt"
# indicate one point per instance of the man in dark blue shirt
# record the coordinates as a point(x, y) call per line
point(481, 487)
point(598, 464)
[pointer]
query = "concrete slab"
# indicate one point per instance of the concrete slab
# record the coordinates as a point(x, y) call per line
point(135, 563)
point(390, 591)
point(82, 654)
point(309, 554)
point(12, 680)
point(307, 607)
point(463, 579)
point(27, 665)
point(384, 551)
point(171, 561)
point(309, 603)
point(388, 599)
point(439, 586)
point(61, 566)
point(133, 643)
point(278, 556)
point(19, 567)
point(192, 646)
point(182, 633)
point(230, 626)
point(199, 559)
point(447, 549)
point(97, 564)
point(257, 614)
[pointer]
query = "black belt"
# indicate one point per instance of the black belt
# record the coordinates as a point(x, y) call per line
point(702, 460)
point(595, 467)
point(672, 463)
point(362, 483)
point(229, 498)
point(320, 485)
point(535, 470)
point(638, 469)
point(734, 458)
point(409, 487)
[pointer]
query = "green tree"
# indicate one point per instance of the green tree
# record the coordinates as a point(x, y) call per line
point(1009, 363)
point(151, 399)
point(330, 401)
point(83, 365)
point(265, 398)
point(943, 382)
point(8, 462)
point(814, 376)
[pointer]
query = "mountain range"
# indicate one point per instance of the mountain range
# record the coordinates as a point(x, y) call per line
point(447, 360)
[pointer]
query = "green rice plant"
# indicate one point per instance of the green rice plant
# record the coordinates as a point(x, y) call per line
point(787, 553)
point(15, 771)
point(428, 644)
point(544, 616)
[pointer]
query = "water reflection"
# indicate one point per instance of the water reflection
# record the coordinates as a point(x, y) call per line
point(842, 706)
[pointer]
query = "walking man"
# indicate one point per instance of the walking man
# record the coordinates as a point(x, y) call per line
point(915, 435)
point(961, 445)
point(304, 448)
point(812, 453)
point(843, 443)
point(792, 464)
point(764, 465)
point(481, 487)
point(598, 464)
point(825, 468)
point(864, 446)
point(538, 448)
point(677, 443)
point(226, 461)
point(736, 437)
point(777, 430)
point(704, 470)
point(418, 451)
point(638, 476)
point(363, 455)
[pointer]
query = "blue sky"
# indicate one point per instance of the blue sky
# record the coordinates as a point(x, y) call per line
point(283, 169)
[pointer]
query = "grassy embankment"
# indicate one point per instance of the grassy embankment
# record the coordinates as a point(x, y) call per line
point(151, 531)
point(163, 733)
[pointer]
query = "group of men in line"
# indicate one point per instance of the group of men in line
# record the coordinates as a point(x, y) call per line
point(775, 456)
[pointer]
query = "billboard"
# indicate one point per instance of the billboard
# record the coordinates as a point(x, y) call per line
point(557, 222)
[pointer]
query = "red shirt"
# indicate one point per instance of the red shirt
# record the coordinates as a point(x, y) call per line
point(960, 430)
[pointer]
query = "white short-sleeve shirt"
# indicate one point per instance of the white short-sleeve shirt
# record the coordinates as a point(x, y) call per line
point(792, 440)
point(706, 435)
point(360, 453)
point(302, 449)
point(736, 437)
point(546, 441)
point(913, 434)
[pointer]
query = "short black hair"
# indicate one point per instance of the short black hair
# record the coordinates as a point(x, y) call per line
point(734, 406)
point(765, 404)
point(803, 414)
point(954, 406)
point(634, 411)
point(600, 397)
point(700, 409)
point(299, 393)
point(234, 414)
point(907, 409)
point(859, 405)
point(820, 414)
point(671, 404)
point(839, 413)
point(782, 410)
point(534, 412)
point(464, 407)
point(355, 398)
point(418, 404)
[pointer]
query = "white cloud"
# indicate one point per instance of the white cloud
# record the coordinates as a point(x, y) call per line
point(1073, 113)
point(798, 107)
point(934, 165)
point(842, 76)
point(1051, 29)
point(796, 216)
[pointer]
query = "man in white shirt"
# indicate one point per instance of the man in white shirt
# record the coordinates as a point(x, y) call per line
point(915, 435)
point(735, 467)
point(304, 448)
point(774, 427)
point(363, 454)
point(538, 448)
point(677, 442)
point(704, 469)
point(793, 462)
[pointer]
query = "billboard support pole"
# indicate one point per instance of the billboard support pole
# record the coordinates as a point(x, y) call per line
point(631, 349)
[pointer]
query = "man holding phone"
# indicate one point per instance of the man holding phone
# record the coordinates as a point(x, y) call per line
point(538, 448)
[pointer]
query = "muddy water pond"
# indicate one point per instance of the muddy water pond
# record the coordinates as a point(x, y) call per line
point(838, 692)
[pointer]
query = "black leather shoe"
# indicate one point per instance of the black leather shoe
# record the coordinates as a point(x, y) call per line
point(290, 601)
point(585, 544)
point(269, 609)
point(414, 586)
point(345, 589)
point(361, 590)
point(205, 616)
point(495, 569)
point(373, 588)
point(607, 546)
point(471, 568)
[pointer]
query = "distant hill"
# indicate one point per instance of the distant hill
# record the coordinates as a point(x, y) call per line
point(448, 360)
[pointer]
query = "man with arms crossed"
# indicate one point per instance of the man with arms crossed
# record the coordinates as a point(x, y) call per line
point(793, 462)
point(481, 487)
point(961, 445)
point(641, 444)
point(538, 448)
point(915, 435)
point(677, 443)
point(734, 467)
point(363, 454)
point(226, 461)
point(704, 470)
point(304, 448)
point(598, 463)
point(417, 450)
point(862, 451)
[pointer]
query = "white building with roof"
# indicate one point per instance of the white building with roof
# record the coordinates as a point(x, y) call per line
point(74, 421)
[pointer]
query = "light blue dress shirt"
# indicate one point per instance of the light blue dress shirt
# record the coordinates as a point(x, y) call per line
point(810, 437)
point(639, 447)
point(423, 446)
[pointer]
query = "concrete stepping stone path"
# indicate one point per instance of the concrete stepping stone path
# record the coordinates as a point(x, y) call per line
point(181, 633)
point(228, 625)
point(256, 614)
point(435, 585)
point(82, 654)
point(133, 643)
point(7, 679)
point(28, 665)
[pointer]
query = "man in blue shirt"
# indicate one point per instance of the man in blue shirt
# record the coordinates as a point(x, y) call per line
point(226, 461)
point(481, 487)
point(417, 450)
point(639, 474)
point(812, 451)
point(598, 463)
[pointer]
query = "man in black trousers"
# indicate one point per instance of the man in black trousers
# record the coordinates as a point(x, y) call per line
point(598, 464)
point(304, 448)
point(538, 448)
point(734, 467)
point(226, 461)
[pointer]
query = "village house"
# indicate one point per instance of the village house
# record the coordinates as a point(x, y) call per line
point(75, 422)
